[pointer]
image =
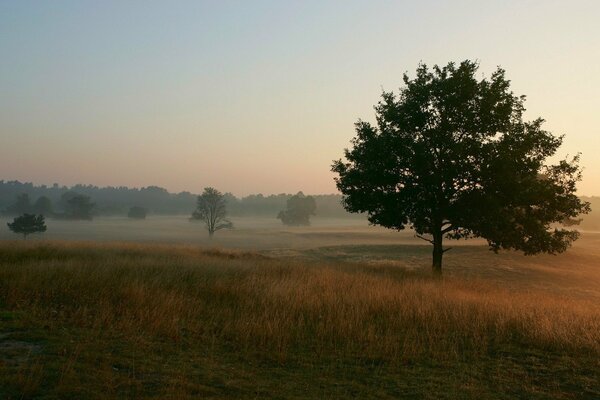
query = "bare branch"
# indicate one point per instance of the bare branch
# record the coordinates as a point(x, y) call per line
point(424, 238)
point(225, 225)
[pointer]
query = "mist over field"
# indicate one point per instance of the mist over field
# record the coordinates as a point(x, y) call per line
point(116, 306)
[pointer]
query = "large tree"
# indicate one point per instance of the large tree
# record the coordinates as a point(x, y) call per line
point(211, 208)
point(452, 157)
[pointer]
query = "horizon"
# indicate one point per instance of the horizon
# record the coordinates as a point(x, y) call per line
point(50, 185)
point(237, 195)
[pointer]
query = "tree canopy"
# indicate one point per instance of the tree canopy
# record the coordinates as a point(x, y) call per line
point(43, 205)
point(211, 208)
point(21, 205)
point(451, 156)
point(27, 224)
point(298, 210)
point(77, 206)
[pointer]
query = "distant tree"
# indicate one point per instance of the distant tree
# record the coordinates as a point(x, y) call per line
point(27, 224)
point(77, 206)
point(452, 157)
point(137, 212)
point(298, 210)
point(43, 205)
point(22, 205)
point(211, 209)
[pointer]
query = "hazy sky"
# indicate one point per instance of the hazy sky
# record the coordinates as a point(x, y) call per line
point(261, 96)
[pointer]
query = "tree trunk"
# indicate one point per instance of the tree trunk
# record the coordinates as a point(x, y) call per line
point(210, 234)
point(438, 253)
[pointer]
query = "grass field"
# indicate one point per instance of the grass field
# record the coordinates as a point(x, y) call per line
point(123, 320)
point(255, 233)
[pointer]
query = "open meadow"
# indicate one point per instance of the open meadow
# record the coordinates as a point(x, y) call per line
point(256, 233)
point(114, 308)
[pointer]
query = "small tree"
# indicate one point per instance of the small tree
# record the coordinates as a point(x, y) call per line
point(452, 157)
point(137, 212)
point(298, 210)
point(211, 209)
point(27, 224)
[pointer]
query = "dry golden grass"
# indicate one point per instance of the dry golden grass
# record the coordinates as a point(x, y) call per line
point(281, 311)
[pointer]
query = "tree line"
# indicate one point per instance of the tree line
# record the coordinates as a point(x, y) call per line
point(17, 198)
point(211, 208)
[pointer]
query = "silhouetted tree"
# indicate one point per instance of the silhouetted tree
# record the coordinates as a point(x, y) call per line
point(137, 212)
point(452, 157)
point(77, 206)
point(43, 205)
point(27, 224)
point(211, 209)
point(298, 210)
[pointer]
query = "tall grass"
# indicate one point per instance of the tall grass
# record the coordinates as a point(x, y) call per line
point(276, 309)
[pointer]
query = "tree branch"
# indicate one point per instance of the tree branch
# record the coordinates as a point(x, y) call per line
point(224, 225)
point(424, 238)
point(447, 229)
point(448, 249)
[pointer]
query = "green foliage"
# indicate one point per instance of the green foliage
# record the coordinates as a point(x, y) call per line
point(27, 224)
point(452, 157)
point(21, 205)
point(137, 212)
point(211, 209)
point(298, 210)
point(77, 206)
point(43, 205)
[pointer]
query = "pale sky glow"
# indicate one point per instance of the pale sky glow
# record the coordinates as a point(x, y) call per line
point(261, 96)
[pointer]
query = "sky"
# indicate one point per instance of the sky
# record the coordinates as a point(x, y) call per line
point(261, 96)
